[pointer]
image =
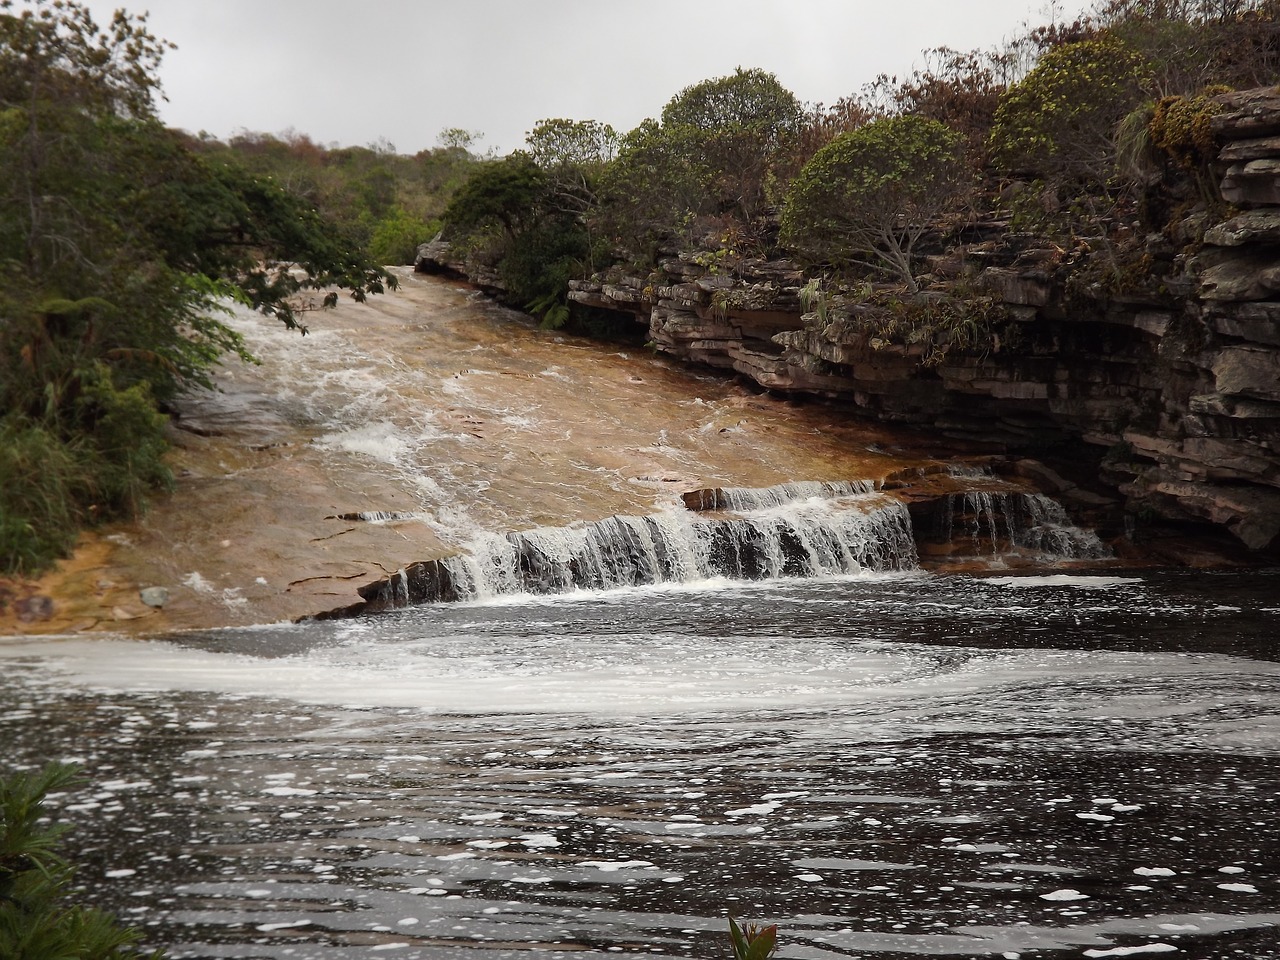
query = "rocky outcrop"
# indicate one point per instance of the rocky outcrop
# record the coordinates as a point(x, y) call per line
point(1160, 379)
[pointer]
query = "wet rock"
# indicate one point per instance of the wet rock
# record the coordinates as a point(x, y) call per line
point(155, 597)
point(33, 609)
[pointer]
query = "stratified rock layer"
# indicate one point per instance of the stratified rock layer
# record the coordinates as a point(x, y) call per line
point(1167, 381)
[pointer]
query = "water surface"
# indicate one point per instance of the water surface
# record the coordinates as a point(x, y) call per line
point(888, 766)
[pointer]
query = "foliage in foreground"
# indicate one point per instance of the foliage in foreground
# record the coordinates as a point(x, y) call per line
point(753, 943)
point(36, 921)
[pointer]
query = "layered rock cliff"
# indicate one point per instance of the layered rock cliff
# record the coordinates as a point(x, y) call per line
point(1152, 363)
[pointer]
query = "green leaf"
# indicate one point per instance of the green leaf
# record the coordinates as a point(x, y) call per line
point(763, 944)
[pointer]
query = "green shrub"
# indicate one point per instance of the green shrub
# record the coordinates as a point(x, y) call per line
point(1058, 123)
point(36, 923)
point(124, 452)
point(397, 236)
point(39, 507)
point(96, 463)
point(868, 196)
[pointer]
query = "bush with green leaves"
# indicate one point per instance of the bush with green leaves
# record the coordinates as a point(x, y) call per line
point(737, 125)
point(867, 197)
point(120, 246)
point(515, 215)
point(398, 235)
point(1058, 123)
point(36, 920)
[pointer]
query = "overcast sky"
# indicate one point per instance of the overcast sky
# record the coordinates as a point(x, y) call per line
point(354, 71)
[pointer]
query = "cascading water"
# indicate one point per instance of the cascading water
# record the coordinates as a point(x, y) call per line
point(792, 530)
point(1053, 764)
point(817, 536)
point(1001, 522)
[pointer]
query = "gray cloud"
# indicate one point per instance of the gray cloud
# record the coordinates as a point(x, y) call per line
point(351, 72)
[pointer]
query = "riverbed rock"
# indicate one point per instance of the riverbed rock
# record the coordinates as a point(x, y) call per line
point(155, 597)
point(34, 609)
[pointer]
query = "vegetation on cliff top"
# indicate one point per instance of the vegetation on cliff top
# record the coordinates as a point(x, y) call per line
point(734, 166)
point(870, 195)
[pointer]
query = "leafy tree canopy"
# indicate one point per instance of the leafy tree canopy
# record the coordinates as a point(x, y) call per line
point(1059, 121)
point(577, 144)
point(505, 192)
point(869, 196)
point(734, 127)
point(747, 100)
point(119, 246)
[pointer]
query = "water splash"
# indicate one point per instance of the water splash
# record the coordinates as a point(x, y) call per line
point(814, 537)
point(1002, 522)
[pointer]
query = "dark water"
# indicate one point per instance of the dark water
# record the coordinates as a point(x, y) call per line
point(895, 766)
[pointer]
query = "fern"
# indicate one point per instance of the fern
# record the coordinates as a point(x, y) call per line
point(554, 312)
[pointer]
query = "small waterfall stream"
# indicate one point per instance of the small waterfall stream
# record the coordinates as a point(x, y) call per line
point(800, 529)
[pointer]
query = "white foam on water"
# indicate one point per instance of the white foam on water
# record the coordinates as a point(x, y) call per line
point(381, 440)
point(1063, 580)
point(641, 674)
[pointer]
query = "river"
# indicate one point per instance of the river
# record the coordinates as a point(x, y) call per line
point(1063, 761)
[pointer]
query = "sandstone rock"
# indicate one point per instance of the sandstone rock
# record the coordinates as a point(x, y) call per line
point(154, 596)
point(1254, 182)
point(719, 281)
point(1236, 408)
point(1021, 287)
point(1258, 322)
point(1251, 513)
point(1248, 371)
point(1247, 114)
point(1243, 277)
point(31, 609)
point(1252, 226)
point(1253, 149)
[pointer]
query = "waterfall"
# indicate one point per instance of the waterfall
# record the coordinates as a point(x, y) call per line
point(813, 536)
point(753, 498)
point(802, 529)
point(1002, 522)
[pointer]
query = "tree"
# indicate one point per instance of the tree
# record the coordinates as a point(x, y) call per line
point(120, 245)
point(578, 145)
point(508, 213)
point(870, 195)
point(1058, 123)
point(654, 188)
point(737, 125)
point(503, 193)
point(710, 155)
point(960, 89)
